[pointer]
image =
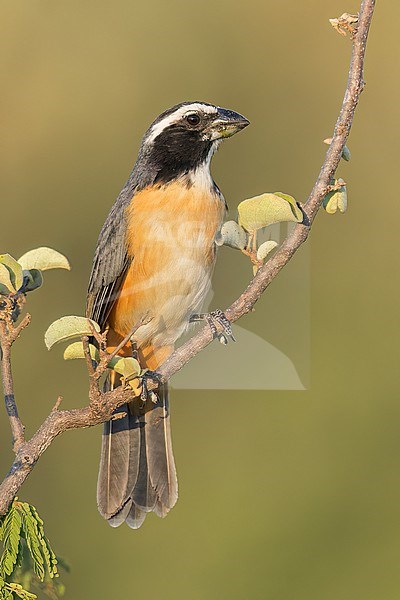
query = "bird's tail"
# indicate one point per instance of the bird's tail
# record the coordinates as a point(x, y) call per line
point(137, 469)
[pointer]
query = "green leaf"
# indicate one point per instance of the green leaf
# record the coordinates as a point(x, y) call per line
point(265, 249)
point(294, 206)
point(337, 199)
point(68, 328)
point(346, 154)
point(43, 259)
point(31, 534)
point(232, 235)
point(267, 209)
point(33, 279)
point(49, 558)
point(17, 589)
point(14, 269)
point(127, 367)
point(76, 350)
point(11, 537)
point(6, 287)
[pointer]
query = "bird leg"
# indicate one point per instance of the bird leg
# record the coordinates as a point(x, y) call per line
point(134, 349)
point(146, 393)
point(215, 318)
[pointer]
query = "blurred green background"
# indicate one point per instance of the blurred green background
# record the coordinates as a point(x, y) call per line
point(283, 495)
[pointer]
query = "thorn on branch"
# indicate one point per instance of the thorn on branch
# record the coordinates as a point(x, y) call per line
point(57, 404)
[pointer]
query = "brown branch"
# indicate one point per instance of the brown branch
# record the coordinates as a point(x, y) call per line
point(100, 409)
point(102, 405)
point(8, 334)
point(143, 321)
point(270, 270)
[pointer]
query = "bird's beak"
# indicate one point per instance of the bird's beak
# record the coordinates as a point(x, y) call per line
point(227, 123)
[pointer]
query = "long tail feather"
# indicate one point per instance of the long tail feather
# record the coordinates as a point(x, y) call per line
point(161, 462)
point(137, 469)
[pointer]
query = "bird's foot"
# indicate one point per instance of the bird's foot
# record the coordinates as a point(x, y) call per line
point(147, 394)
point(215, 318)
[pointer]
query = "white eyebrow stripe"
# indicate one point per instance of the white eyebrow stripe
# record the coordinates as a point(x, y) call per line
point(176, 116)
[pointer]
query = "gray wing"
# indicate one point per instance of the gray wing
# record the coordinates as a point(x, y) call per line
point(110, 263)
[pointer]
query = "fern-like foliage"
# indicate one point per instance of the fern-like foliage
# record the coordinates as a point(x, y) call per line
point(28, 558)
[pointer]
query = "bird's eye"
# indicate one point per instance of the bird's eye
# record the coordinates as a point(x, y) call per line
point(193, 119)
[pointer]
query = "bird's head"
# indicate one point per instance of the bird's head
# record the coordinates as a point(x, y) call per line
point(186, 136)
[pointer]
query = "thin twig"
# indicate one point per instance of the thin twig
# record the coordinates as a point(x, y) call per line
point(143, 321)
point(88, 358)
point(17, 428)
point(8, 335)
point(105, 358)
point(57, 404)
point(16, 331)
point(103, 405)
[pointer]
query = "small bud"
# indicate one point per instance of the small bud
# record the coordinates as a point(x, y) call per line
point(346, 154)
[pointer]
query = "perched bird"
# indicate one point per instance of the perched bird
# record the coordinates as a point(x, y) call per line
point(154, 260)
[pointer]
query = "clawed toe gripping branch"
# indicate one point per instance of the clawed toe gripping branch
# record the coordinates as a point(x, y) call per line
point(102, 404)
point(215, 319)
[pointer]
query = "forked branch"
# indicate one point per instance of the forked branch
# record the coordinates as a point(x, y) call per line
point(102, 405)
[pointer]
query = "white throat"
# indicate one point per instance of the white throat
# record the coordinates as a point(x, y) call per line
point(200, 177)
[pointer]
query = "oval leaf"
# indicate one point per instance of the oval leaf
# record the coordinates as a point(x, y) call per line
point(14, 269)
point(330, 203)
point(342, 199)
point(266, 209)
point(336, 200)
point(127, 367)
point(76, 350)
point(44, 258)
point(232, 235)
point(68, 328)
point(265, 249)
point(6, 287)
point(294, 205)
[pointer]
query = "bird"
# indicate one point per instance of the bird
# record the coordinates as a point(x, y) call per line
point(153, 264)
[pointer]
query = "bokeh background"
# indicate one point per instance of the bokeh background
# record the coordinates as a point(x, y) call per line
point(283, 494)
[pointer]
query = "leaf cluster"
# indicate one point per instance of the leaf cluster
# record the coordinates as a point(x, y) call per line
point(255, 214)
point(27, 554)
point(73, 327)
point(25, 274)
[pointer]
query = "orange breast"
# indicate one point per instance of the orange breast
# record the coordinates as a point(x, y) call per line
point(171, 233)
